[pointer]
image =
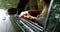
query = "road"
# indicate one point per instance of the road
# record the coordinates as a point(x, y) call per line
point(5, 23)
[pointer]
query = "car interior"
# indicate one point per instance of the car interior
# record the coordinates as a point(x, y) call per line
point(26, 25)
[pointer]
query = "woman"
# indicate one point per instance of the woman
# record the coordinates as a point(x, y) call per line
point(27, 14)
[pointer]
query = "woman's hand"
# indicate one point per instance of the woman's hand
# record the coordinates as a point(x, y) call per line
point(25, 14)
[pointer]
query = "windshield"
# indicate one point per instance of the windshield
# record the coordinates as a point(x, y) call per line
point(5, 23)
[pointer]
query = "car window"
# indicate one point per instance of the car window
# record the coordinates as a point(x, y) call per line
point(54, 17)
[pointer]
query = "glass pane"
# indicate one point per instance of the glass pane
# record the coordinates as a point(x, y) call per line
point(53, 23)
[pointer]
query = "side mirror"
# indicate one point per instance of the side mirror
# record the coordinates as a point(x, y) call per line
point(12, 11)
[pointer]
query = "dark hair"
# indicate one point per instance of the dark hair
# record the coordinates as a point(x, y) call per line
point(47, 1)
point(12, 11)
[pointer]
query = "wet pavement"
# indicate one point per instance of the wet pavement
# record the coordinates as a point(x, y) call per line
point(5, 23)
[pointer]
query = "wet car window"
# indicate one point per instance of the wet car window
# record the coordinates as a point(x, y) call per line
point(54, 17)
point(25, 25)
point(5, 23)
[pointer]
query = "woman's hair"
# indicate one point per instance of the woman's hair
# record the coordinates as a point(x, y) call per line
point(12, 11)
point(47, 2)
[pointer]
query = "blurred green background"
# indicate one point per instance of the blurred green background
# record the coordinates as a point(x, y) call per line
point(4, 4)
point(32, 4)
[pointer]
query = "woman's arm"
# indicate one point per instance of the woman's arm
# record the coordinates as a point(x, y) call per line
point(30, 14)
point(44, 12)
point(34, 12)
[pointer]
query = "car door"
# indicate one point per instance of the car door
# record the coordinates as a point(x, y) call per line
point(53, 21)
point(25, 25)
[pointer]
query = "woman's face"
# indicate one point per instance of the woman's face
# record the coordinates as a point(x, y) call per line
point(42, 3)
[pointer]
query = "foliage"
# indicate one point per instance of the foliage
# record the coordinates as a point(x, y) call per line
point(5, 4)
